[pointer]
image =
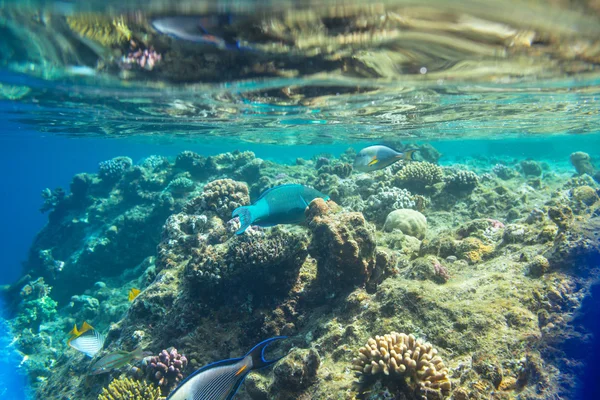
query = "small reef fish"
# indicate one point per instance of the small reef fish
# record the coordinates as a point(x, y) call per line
point(133, 293)
point(221, 380)
point(373, 158)
point(115, 360)
point(283, 204)
point(86, 340)
point(196, 29)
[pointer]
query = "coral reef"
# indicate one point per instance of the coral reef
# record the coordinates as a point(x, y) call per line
point(166, 369)
point(342, 243)
point(406, 358)
point(221, 196)
point(379, 205)
point(114, 168)
point(531, 168)
point(102, 29)
point(129, 389)
point(504, 172)
point(492, 282)
point(419, 176)
point(461, 181)
point(410, 222)
point(582, 163)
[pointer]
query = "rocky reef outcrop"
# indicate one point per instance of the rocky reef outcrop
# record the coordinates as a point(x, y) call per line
point(491, 283)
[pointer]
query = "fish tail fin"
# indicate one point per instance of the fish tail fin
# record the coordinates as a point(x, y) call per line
point(409, 155)
point(137, 353)
point(244, 213)
point(258, 353)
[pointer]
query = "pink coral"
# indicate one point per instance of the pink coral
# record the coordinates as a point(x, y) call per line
point(166, 368)
point(145, 58)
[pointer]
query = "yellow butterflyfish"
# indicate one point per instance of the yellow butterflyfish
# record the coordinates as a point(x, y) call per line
point(86, 339)
point(133, 293)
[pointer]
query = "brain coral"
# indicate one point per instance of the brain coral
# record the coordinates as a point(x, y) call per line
point(419, 175)
point(410, 222)
point(403, 356)
point(129, 389)
point(221, 196)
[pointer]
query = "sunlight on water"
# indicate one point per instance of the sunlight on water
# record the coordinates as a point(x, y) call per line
point(387, 70)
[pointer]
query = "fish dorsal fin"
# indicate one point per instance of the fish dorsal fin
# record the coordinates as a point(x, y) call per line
point(274, 188)
point(84, 328)
point(74, 331)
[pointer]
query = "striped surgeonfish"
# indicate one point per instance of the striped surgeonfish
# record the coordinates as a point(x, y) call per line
point(221, 380)
point(87, 340)
point(116, 360)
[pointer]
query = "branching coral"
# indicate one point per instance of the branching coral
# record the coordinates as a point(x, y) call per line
point(221, 196)
point(129, 389)
point(402, 355)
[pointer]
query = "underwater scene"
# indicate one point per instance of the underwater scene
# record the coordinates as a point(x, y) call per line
point(297, 200)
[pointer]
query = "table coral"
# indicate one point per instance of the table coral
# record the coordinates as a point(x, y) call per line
point(401, 356)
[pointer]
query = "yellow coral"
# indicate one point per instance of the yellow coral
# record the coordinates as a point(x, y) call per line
point(403, 355)
point(101, 29)
point(474, 250)
point(129, 389)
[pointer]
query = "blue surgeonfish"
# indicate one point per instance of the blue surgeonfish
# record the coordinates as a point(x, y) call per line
point(86, 339)
point(220, 380)
point(283, 204)
point(373, 158)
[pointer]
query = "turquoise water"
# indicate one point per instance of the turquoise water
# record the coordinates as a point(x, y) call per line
point(497, 98)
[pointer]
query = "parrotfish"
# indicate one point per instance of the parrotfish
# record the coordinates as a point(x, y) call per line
point(221, 380)
point(373, 158)
point(133, 293)
point(86, 339)
point(283, 204)
point(115, 360)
